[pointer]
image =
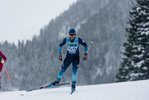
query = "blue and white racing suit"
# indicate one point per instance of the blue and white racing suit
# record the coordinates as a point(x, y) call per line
point(72, 56)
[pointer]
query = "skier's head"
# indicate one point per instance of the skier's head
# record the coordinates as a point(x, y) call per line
point(72, 34)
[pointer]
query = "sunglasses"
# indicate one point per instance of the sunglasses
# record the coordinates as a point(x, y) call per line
point(71, 34)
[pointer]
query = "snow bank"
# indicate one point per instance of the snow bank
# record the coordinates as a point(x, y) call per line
point(119, 91)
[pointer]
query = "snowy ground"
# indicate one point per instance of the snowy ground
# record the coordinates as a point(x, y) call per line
point(119, 91)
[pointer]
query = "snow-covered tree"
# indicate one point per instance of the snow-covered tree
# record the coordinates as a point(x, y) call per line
point(135, 64)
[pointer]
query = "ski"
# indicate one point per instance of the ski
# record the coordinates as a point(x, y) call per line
point(51, 85)
point(48, 86)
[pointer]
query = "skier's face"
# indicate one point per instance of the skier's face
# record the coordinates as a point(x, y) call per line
point(72, 36)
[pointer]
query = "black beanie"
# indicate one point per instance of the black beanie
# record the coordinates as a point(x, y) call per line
point(72, 31)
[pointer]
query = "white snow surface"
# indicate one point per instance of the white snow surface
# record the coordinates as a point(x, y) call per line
point(137, 90)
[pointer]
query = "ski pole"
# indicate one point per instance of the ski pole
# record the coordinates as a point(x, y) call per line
point(8, 74)
point(89, 48)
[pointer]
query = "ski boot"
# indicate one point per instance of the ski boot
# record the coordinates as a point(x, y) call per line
point(54, 83)
point(73, 88)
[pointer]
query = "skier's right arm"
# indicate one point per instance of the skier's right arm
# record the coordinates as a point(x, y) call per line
point(60, 48)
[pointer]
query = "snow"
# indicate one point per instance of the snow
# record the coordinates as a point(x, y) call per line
point(144, 68)
point(141, 11)
point(119, 91)
point(139, 64)
point(79, 24)
point(138, 9)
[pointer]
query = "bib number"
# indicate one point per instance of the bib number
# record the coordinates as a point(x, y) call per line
point(72, 49)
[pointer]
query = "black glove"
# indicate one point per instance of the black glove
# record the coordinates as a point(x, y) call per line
point(60, 57)
point(85, 56)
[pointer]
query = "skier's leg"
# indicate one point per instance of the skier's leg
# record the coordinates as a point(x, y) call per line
point(0, 75)
point(74, 74)
point(0, 80)
point(74, 71)
point(1, 67)
point(66, 63)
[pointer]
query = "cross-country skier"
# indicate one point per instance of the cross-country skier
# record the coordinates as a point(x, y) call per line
point(2, 60)
point(72, 42)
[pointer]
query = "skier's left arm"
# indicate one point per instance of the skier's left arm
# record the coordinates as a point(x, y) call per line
point(61, 44)
point(3, 57)
point(60, 48)
point(85, 48)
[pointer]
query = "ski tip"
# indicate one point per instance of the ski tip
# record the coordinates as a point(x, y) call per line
point(41, 87)
point(21, 94)
point(29, 90)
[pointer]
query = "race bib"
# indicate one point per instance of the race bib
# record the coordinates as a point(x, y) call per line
point(72, 49)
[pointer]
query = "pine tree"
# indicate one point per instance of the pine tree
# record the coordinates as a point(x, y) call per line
point(135, 64)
